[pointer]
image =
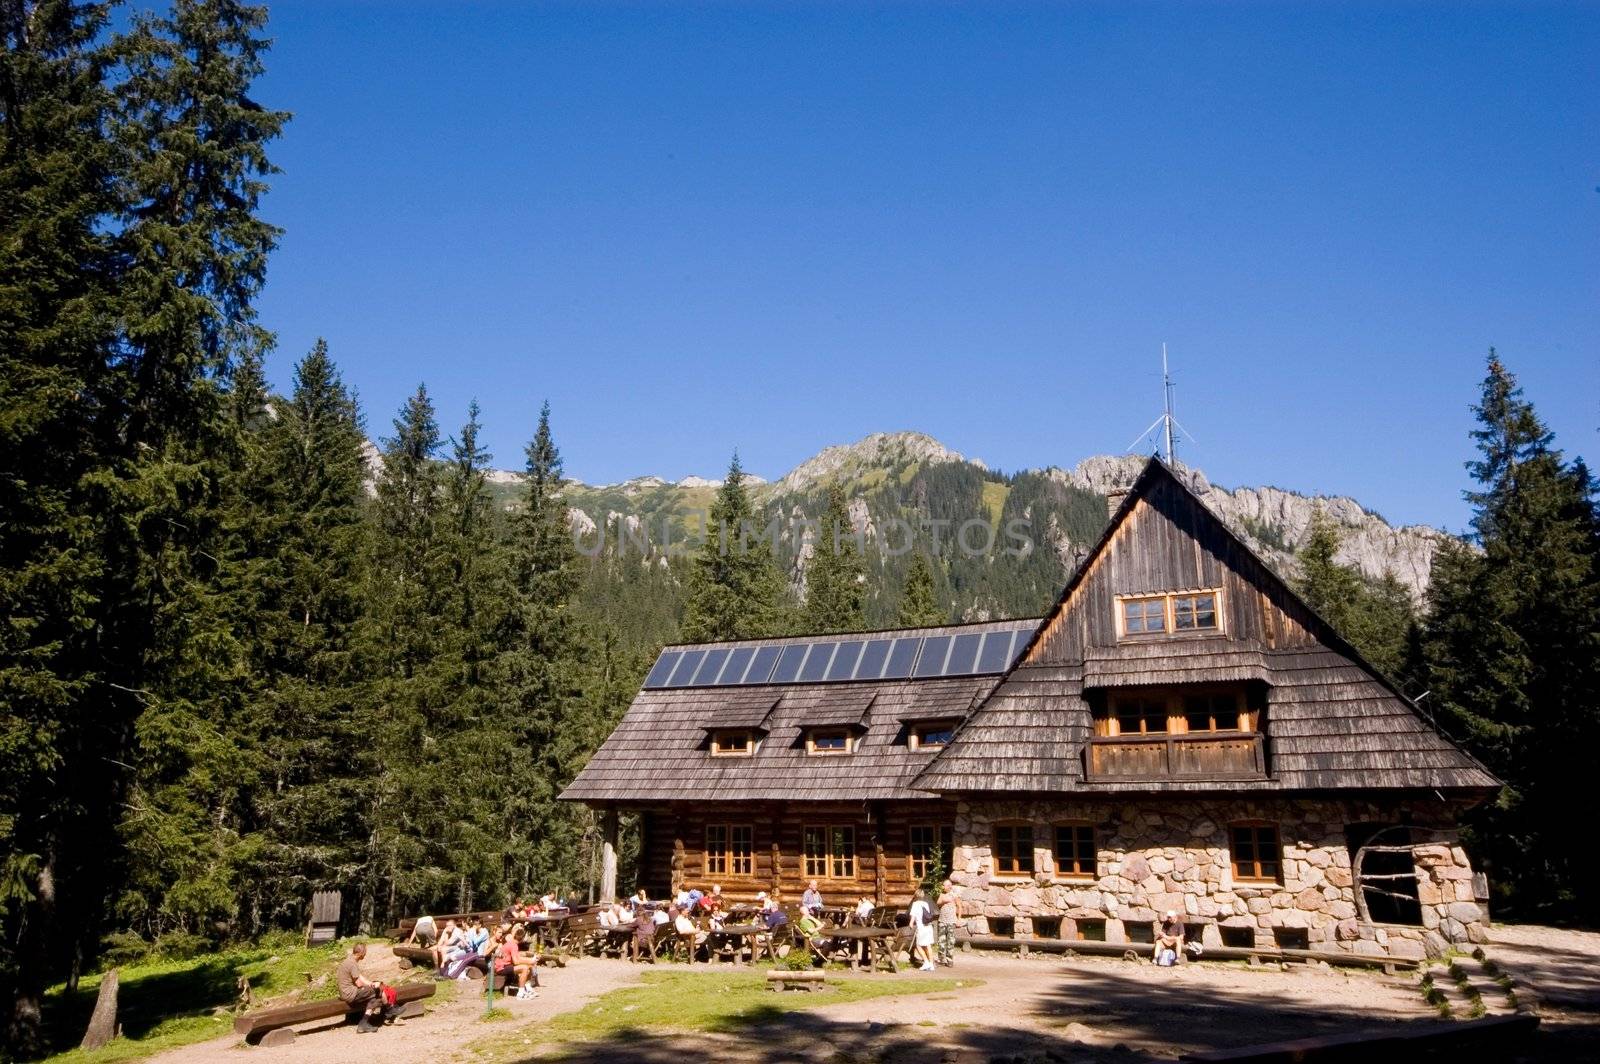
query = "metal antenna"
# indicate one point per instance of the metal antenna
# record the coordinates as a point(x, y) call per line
point(1168, 423)
point(1166, 388)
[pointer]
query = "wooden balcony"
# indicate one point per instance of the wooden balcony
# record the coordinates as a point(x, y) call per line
point(1199, 756)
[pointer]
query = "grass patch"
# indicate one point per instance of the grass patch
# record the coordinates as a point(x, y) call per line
point(163, 1004)
point(717, 1002)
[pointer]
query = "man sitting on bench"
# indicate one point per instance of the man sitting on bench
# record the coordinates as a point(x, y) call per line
point(359, 992)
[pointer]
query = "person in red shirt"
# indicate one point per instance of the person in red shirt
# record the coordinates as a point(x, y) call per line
point(512, 962)
point(712, 903)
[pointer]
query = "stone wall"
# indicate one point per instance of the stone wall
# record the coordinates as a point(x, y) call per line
point(1156, 855)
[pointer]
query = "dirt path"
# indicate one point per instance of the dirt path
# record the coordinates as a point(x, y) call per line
point(441, 1035)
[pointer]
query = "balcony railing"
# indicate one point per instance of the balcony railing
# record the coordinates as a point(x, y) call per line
point(1199, 756)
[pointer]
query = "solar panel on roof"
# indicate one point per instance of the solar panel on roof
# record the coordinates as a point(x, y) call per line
point(901, 658)
point(872, 659)
point(789, 665)
point(996, 652)
point(963, 654)
point(760, 670)
point(662, 668)
point(1019, 644)
point(844, 660)
point(738, 662)
point(711, 666)
point(684, 673)
point(931, 661)
point(816, 666)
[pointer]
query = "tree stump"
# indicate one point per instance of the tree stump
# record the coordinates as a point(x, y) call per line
point(103, 1023)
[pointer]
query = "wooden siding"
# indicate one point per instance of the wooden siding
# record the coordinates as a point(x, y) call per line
point(673, 848)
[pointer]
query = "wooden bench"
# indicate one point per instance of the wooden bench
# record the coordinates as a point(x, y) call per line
point(275, 1027)
point(782, 980)
point(410, 956)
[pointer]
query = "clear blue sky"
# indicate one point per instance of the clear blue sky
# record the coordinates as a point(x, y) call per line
point(776, 227)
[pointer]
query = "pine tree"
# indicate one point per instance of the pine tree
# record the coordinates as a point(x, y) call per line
point(306, 520)
point(57, 188)
point(1512, 652)
point(735, 590)
point(919, 605)
point(836, 575)
point(1375, 616)
point(543, 650)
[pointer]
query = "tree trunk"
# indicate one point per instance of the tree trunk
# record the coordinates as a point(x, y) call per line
point(103, 1023)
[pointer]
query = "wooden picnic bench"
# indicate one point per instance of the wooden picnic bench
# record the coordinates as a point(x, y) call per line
point(275, 1027)
point(879, 943)
point(738, 936)
point(410, 956)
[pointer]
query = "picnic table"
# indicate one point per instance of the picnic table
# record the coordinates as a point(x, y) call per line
point(736, 936)
point(876, 942)
point(547, 927)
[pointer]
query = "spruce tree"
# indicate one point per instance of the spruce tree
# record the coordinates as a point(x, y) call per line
point(919, 604)
point(1375, 616)
point(836, 574)
point(543, 649)
point(1512, 653)
point(735, 590)
point(307, 521)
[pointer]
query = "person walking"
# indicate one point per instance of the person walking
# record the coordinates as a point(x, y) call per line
point(922, 928)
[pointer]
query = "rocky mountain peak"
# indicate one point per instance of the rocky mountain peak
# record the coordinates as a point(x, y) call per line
point(877, 451)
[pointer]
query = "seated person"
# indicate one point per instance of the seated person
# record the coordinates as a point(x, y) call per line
point(686, 927)
point(550, 902)
point(512, 963)
point(638, 901)
point(448, 939)
point(863, 914)
point(474, 944)
point(712, 902)
point(608, 916)
point(811, 900)
point(360, 993)
point(774, 916)
point(1168, 946)
point(810, 924)
point(695, 894)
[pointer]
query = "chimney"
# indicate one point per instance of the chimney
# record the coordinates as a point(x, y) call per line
point(1114, 497)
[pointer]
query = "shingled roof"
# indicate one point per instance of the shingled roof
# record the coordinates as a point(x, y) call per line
point(661, 749)
point(1333, 722)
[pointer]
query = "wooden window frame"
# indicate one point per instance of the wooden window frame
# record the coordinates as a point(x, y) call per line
point(1108, 724)
point(940, 833)
point(1255, 874)
point(831, 862)
point(741, 865)
point(1075, 876)
point(916, 741)
point(726, 862)
point(750, 741)
point(1012, 826)
point(1169, 614)
point(813, 734)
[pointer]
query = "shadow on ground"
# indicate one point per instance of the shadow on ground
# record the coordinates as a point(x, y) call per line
point(1084, 1015)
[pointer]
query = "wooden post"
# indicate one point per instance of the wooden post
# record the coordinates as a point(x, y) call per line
point(608, 856)
point(677, 861)
point(103, 1023)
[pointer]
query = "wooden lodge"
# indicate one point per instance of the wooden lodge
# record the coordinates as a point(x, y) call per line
point(1181, 732)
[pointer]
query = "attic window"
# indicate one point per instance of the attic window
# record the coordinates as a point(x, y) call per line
point(1176, 613)
point(829, 741)
point(732, 743)
point(932, 735)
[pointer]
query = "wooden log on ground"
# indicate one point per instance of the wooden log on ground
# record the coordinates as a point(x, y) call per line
point(103, 1023)
point(1212, 953)
point(255, 1026)
point(412, 955)
point(779, 979)
point(1402, 1043)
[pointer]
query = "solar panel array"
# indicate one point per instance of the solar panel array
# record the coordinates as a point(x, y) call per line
point(837, 660)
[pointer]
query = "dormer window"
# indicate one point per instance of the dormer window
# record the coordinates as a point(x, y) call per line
point(733, 742)
point(829, 741)
point(932, 735)
point(1177, 613)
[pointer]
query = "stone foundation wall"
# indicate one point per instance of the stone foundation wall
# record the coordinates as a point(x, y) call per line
point(1156, 855)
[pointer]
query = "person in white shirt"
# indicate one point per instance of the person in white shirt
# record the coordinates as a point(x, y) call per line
point(922, 927)
point(864, 909)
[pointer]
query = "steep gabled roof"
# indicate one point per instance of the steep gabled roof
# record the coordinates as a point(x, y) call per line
point(1333, 721)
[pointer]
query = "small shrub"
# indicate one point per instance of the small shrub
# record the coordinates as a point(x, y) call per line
point(181, 945)
point(122, 949)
